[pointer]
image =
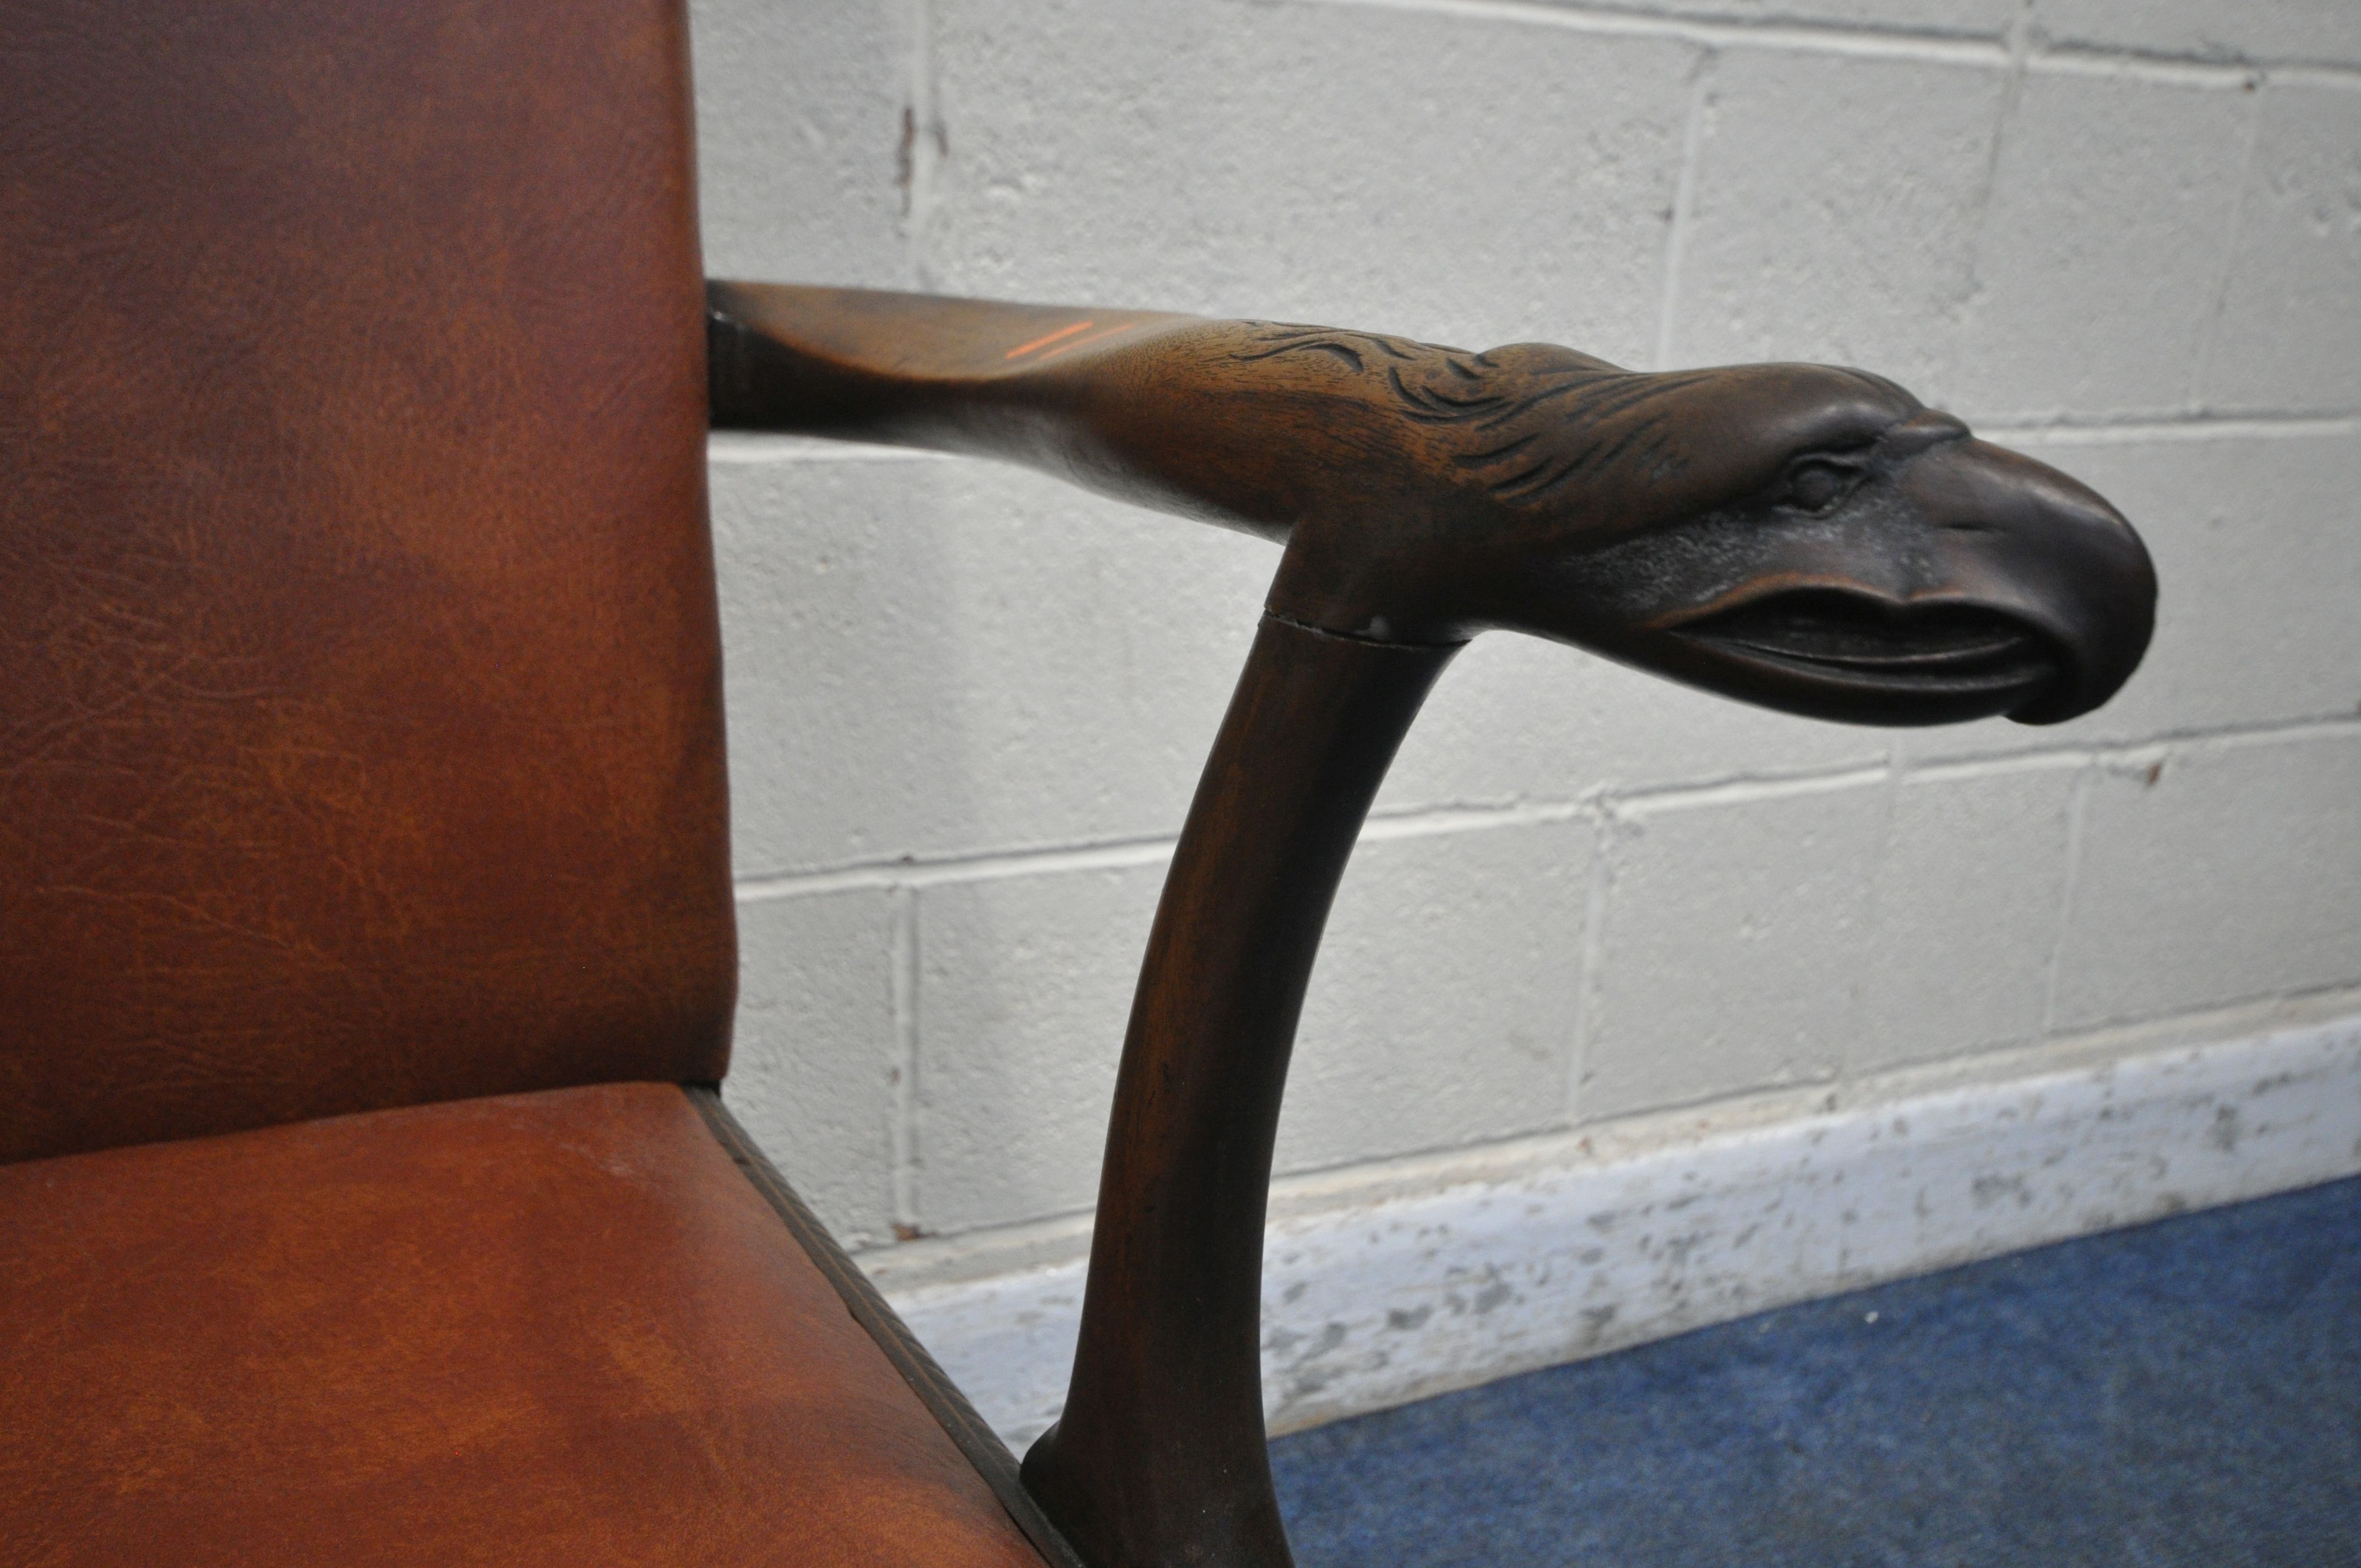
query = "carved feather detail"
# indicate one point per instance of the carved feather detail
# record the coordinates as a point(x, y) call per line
point(1534, 428)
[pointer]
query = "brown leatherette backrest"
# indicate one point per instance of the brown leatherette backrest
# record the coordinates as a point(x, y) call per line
point(360, 731)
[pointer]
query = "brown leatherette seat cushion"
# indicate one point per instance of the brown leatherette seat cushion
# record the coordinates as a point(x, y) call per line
point(360, 737)
point(554, 1329)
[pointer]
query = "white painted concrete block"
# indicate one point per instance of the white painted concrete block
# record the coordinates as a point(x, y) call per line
point(814, 1069)
point(2216, 870)
point(1441, 1011)
point(1024, 985)
point(2254, 546)
point(2253, 540)
point(2290, 333)
point(1464, 181)
point(1732, 940)
point(937, 656)
point(798, 118)
point(1963, 914)
point(2103, 246)
point(2326, 31)
point(1826, 226)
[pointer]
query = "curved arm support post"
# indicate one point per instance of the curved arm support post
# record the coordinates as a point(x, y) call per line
point(1160, 1457)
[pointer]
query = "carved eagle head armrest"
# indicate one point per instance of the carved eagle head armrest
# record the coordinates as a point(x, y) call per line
point(1803, 537)
point(1806, 538)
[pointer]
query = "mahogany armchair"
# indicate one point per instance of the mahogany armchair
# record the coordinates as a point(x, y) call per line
point(366, 943)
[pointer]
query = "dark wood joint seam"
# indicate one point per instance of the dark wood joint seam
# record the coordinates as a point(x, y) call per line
point(960, 1420)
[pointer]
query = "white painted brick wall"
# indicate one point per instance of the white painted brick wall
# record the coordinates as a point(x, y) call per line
point(1963, 912)
point(2103, 244)
point(2213, 871)
point(1444, 1008)
point(1823, 224)
point(2289, 335)
point(967, 707)
point(1732, 928)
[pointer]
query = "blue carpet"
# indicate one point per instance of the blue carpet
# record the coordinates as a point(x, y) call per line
point(2182, 1395)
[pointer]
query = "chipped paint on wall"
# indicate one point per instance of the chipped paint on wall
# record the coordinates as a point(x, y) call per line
point(1371, 1306)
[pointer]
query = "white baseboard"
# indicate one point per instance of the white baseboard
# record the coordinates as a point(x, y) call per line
point(1587, 1245)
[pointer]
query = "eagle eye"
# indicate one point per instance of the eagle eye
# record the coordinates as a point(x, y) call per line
point(1817, 484)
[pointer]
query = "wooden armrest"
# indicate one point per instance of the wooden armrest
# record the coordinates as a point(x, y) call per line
point(1807, 538)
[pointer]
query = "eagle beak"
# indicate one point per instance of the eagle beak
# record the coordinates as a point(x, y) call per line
point(2019, 538)
point(1968, 581)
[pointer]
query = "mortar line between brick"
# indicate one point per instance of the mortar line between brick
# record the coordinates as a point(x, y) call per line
point(905, 1003)
point(2077, 805)
point(2004, 111)
point(1888, 43)
point(1433, 821)
point(2078, 1048)
point(940, 871)
point(2258, 732)
point(1589, 966)
point(1116, 854)
point(2315, 74)
point(2221, 76)
point(2187, 427)
point(750, 447)
point(1740, 792)
point(2201, 362)
point(1443, 821)
point(925, 140)
point(1889, 805)
point(2272, 998)
point(1676, 233)
point(1967, 769)
point(2230, 68)
point(730, 448)
point(1334, 1186)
